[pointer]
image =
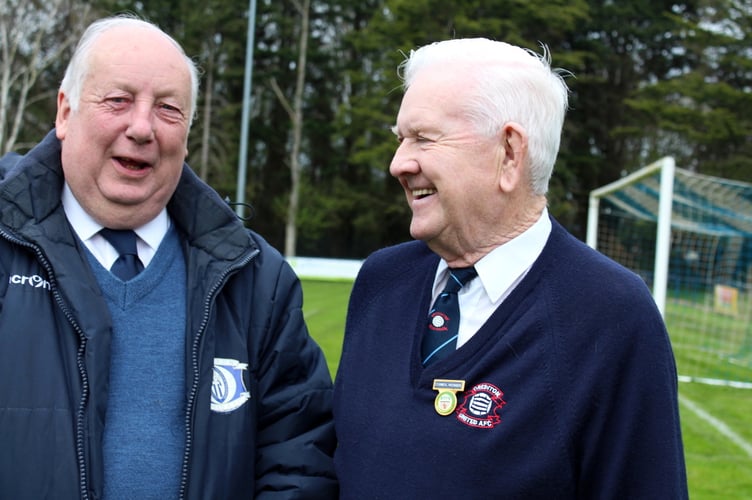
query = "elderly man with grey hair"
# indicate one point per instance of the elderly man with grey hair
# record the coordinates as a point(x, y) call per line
point(150, 345)
point(497, 356)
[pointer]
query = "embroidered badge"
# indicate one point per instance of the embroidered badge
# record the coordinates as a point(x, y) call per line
point(480, 406)
point(228, 392)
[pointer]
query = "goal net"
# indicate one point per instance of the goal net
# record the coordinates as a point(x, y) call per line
point(689, 236)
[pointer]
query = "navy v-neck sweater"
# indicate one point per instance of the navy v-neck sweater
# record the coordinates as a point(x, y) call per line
point(570, 387)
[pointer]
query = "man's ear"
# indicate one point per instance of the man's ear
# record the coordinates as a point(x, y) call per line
point(63, 113)
point(514, 145)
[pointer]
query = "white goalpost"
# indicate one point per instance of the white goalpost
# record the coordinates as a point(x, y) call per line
point(689, 236)
point(666, 167)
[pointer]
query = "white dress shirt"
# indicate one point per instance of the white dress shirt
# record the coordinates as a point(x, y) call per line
point(499, 272)
point(149, 235)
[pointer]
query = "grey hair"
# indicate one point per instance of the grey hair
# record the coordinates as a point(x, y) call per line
point(506, 83)
point(78, 67)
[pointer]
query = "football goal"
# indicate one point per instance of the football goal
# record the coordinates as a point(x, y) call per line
point(689, 236)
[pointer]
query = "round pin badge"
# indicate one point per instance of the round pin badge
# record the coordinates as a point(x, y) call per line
point(445, 403)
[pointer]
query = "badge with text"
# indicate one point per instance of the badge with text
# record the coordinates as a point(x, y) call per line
point(481, 406)
point(446, 400)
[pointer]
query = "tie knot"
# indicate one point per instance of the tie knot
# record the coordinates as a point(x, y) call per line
point(124, 240)
point(459, 277)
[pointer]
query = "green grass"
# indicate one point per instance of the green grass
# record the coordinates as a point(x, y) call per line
point(717, 468)
point(324, 309)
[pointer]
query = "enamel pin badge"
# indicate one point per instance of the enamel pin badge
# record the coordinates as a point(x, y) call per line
point(446, 400)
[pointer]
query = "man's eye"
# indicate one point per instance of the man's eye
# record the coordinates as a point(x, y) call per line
point(170, 112)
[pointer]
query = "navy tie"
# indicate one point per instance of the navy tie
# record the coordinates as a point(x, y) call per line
point(128, 264)
point(440, 338)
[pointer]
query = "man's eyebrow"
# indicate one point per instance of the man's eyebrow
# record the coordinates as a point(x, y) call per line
point(408, 131)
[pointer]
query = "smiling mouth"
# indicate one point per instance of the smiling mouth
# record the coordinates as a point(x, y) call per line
point(131, 164)
point(422, 193)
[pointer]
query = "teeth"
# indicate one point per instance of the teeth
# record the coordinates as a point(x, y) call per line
point(423, 192)
point(132, 165)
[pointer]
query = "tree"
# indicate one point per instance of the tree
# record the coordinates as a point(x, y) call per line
point(32, 39)
point(377, 37)
point(700, 114)
point(650, 79)
point(296, 117)
point(626, 45)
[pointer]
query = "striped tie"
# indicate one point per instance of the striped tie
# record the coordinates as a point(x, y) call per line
point(440, 338)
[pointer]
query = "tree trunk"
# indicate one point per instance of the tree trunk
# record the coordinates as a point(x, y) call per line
point(23, 57)
point(297, 132)
point(206, 131)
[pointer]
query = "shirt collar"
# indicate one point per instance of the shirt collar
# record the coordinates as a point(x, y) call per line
point(86, 227)
point(503, 267)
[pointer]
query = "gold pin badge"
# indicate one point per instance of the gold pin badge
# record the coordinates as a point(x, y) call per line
point(446, 399)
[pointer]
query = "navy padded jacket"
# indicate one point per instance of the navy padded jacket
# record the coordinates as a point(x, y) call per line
point(244, 303)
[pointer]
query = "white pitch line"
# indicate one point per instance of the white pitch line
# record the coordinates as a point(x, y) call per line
point(717, 424)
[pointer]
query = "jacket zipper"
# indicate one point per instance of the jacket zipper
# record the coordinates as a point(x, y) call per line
point(80, 455)
point(190, 404)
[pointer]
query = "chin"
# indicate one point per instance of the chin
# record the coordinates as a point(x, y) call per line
point(419, 233)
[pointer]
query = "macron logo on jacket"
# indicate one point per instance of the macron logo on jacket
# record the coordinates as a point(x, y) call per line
point(34, 281)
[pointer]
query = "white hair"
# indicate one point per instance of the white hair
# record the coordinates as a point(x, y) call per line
point(78, 67)
point(506, 83)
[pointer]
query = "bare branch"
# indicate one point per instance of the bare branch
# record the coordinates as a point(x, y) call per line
point(282, 99)
point(30, 41)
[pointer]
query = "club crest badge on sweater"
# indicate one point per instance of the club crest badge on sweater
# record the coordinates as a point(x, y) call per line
point(228, 392)
point(480, 406)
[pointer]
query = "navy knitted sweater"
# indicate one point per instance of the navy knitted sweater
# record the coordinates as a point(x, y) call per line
point(570, 387)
